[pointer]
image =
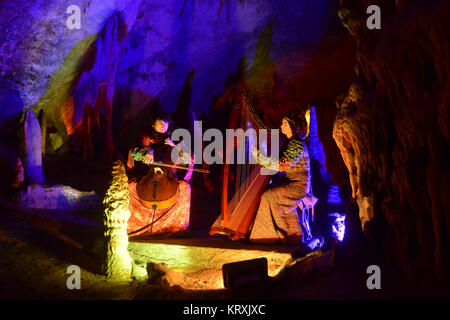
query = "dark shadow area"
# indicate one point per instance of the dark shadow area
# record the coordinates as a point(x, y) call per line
point(47, 234)
point(182, 116)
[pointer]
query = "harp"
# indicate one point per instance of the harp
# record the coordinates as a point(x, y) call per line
point(242, 184)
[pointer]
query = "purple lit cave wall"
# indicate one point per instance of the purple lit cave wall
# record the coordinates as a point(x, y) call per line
point(167, 49)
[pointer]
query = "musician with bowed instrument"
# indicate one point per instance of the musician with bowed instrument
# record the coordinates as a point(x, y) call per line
point(159, 195)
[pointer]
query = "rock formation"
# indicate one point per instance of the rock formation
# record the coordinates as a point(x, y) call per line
point(30, 140)
point(315, 146)
point(93, 96)
point(117, 261)
point(19, 175)
point(58, 197)
point(393, 131)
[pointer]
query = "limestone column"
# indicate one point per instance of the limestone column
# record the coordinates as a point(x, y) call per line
point(117, 261)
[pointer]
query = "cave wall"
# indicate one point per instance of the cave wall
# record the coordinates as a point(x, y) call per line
point(183, 54)
point(393, 132)
point(40, 56)
point(187, 54)
point(172, 39)
point(392, 128)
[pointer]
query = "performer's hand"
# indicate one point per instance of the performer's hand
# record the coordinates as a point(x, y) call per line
point(148, 158)
point(169, 142)
point(130, 161)
point(254, 151)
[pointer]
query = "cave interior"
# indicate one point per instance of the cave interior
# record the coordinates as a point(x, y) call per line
point(80, 80)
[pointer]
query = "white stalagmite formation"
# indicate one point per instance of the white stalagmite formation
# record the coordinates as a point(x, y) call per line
point(117, 263)
point(30, 138)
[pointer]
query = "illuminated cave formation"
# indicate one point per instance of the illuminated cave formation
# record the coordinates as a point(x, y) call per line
point(73, 102)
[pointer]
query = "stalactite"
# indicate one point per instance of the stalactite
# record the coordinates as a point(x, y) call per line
point(94, 93)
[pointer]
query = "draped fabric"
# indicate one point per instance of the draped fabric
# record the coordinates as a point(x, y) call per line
point(277, 218)
point(166, 222)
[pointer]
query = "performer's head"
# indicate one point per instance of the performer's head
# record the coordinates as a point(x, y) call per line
point(160, 121)
point(294, 124)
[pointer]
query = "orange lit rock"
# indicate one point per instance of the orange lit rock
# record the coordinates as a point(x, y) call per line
point(393, 132)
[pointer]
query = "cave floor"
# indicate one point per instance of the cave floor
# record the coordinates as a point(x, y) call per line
point(35, 254)
point(36, 249)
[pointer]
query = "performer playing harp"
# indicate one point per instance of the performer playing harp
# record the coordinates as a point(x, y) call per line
point(277, 219)
point(240, 208)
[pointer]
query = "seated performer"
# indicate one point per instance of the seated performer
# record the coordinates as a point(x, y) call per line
point(277, 219)
point(159, 200)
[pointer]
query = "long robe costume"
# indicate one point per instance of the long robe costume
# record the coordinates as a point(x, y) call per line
point(277, 219)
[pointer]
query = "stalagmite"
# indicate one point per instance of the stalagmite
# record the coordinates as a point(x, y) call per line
point(30, 138)
point(117, 261)
point(315, 147)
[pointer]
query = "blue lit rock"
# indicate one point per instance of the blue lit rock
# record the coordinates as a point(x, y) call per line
point(315, 147)
point(59, 197)
point(31, 147)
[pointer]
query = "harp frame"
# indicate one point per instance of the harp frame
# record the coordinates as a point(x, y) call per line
point(237, 215)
